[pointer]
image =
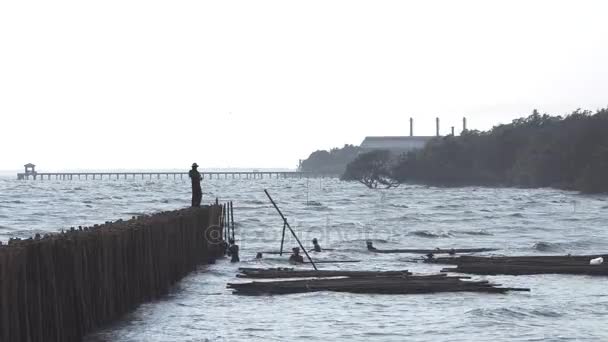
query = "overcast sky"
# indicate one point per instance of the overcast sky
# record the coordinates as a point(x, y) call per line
point(149, 84)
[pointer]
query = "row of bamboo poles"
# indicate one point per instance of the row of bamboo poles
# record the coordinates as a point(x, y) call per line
point(61, 286)
point(227, 220)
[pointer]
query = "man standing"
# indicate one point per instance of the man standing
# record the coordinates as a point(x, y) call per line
point(197, 193)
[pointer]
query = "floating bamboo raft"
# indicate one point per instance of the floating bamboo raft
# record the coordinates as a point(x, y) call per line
point(434, 251)
point(286, 252)
point(269, 273)
point(522, 265)
point(379, 285)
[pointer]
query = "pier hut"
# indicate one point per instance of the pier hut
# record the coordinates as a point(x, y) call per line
point(30, 170)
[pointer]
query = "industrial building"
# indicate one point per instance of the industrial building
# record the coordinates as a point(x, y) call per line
point(402, 144)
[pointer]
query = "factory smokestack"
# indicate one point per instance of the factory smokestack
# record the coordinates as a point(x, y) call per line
point(464, 124)
point(452, 130)
point(437, 126)
point(411, 127)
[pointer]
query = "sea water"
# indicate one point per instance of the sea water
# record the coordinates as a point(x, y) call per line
point(343, 216)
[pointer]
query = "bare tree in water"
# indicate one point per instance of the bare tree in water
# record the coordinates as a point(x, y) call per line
point(372, 169)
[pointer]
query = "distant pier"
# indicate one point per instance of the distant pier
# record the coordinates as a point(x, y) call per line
point(169, 175)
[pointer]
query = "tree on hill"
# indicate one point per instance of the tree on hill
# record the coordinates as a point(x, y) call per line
point(372, 169)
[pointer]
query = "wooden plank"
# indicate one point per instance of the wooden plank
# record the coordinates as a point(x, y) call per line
point(433, 251)
point(388, 285)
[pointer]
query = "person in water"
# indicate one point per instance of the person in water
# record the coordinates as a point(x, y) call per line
point(370, 246)
point(233, 251)
point(295, 257)
point(316, 247)
point(197, 192)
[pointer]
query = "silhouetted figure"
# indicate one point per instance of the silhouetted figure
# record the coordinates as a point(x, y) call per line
point(370, 246)
point(233, 251)
point(197, 192)
point(257, 256)
point(315, 243)
point(295, 257)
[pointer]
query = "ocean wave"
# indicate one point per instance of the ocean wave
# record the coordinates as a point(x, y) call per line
point(471, 232)
point(318, 208)
point(501, 313)
point(314, 203)
point(343, 225)
point(429, 234)
point(365, 240)
point(258, 202)
point(520, 215)
point(406, 218)
point(447, 206)
point(398, 206)
point(547, 247)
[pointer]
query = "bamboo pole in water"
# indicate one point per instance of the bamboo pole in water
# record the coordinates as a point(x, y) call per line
point(232, 219)
point(290, 229)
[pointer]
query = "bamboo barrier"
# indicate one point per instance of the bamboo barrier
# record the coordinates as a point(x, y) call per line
point(62, 286)
point(523, 265)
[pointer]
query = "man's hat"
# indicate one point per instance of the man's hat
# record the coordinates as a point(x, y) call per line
point(195, 165)
point(296, 249)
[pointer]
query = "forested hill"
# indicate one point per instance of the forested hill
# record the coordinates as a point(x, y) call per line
point(332, 162)
point(568, 152)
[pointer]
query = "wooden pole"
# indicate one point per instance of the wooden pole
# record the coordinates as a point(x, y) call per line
point(290, 229)
point(224, 222)
point(232, 219)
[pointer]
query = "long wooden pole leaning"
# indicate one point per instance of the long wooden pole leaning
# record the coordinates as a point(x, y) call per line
point(291, 230)
point(282, 239)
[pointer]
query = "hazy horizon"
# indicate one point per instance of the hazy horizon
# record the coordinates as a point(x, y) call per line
point(239, 84)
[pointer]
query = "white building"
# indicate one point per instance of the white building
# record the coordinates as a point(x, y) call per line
point(395, 144)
